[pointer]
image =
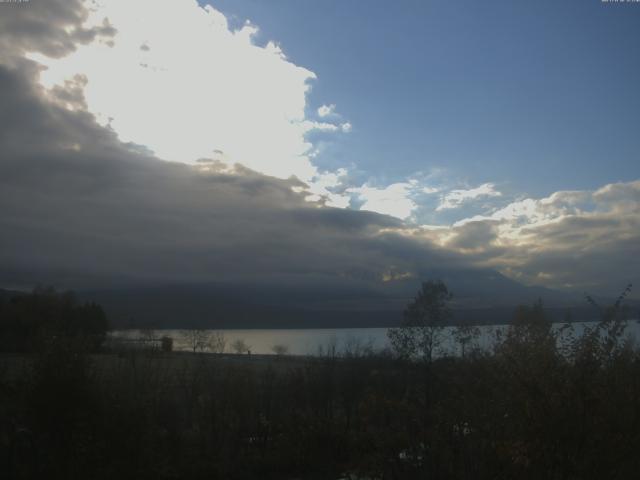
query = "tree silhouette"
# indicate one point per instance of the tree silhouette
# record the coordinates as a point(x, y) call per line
point(240, 346)
point(199, 339)
point(30, 321)
point(424, 319)
point(280, 349)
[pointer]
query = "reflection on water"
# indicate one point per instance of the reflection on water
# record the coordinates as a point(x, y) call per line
point(311, 341)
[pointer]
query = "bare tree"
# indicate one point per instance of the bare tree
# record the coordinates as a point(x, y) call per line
point(198, 339)
point(148, 339)
point(280, 349)
point(355, 347)
point(240, 346)
point(330, 350)
point(217, 342)
point(147, 334)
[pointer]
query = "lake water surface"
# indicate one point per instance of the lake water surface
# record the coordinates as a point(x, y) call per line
point(314, 341)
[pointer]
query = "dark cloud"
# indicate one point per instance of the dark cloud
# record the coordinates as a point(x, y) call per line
point(475, 236)
point(593, 252)
point(51, 27)
point(79, 206)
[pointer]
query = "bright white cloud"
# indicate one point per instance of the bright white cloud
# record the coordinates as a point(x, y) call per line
point(181, 82)
point(346, 127)
point(392, 200)
point(326, 110)
point(455, 198)
point(320, 126)
point(528, 212)
point(521, 211)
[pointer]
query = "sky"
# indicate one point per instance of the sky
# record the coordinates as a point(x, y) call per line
point(535, 97)
point(334, 141)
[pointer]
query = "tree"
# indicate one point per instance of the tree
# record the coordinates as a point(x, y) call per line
point(465, 335)
point(166, 344)
point(217, 342)
point(198, 339)
point(239, 346)
point(529, 343)
point(280, 349)
point(530, 331)
point(149, 338)
point(30, 321)
point(424, 319)
point(605, 339)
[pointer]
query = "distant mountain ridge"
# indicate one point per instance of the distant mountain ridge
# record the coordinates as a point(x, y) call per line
point(300, 306)
point(480, 296)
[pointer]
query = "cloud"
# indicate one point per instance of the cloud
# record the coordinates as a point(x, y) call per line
point(391, 200)
point(570, 239)
point(204, 88)
point(80, 208)
point(85, 204)
point(320, 126)
point(455, 198)
point(327, 187)
point(474, 237)
point(346, 127)
point(326, 110)
point(53, 27)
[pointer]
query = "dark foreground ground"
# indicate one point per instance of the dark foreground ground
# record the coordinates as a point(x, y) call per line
point(529, 409)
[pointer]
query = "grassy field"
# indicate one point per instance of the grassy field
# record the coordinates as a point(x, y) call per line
point(524, 410)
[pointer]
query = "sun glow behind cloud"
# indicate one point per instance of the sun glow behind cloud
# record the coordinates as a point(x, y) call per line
point(176, 79)
point(206, 91)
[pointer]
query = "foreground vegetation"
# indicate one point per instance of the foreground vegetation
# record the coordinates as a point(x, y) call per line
point(540, 404)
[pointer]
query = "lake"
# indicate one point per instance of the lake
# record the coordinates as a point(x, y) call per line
point(313, 341)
